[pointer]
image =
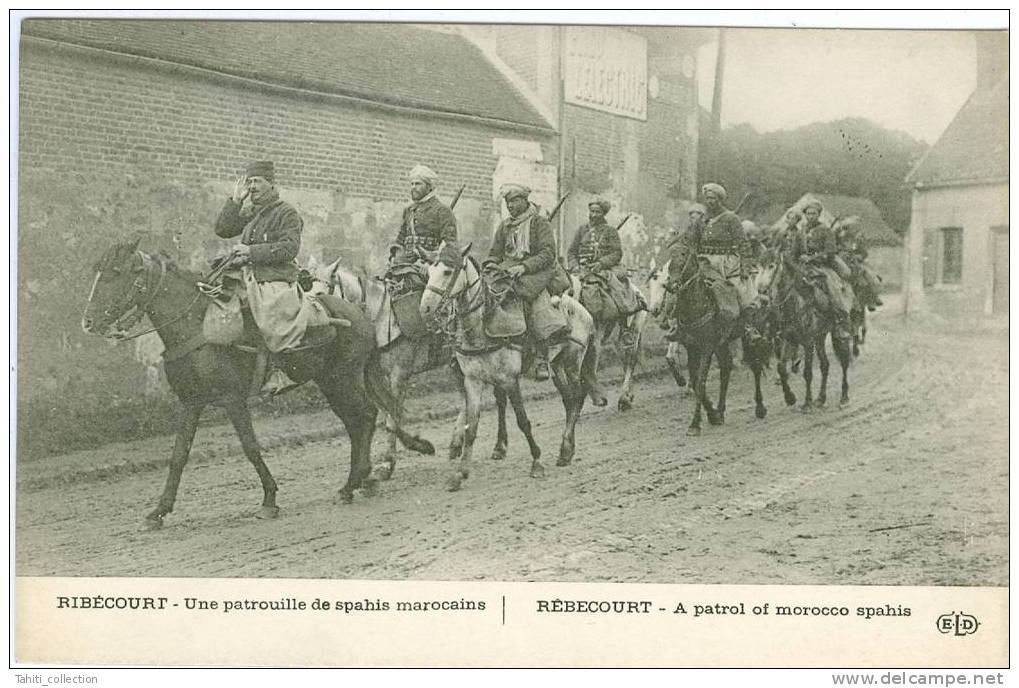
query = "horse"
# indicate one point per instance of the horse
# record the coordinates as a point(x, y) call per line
point(402, 358)
point(500, 362)
point(631, 331)
point(130, 284)
point(800, 324)
point(705, 333)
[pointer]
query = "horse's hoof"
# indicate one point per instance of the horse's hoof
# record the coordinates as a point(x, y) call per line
point(761, 412)
point(564, 461)
point(624, 404)
point(844, 401)
point(821, 401)
point(152, 523)
point(498, 455)
point(599, 400)
point(268, 512)
point(790, 399)
point(715, 418)
point(345, 496)
point(383, 471)
point(537, 470)
point(681, 381)
point(693, 432)
point(807, 408)
point(370, 487)
point(453, 483)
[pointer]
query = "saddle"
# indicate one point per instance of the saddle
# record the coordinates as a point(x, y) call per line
point(404, 287)
point(596, 296)
point(228, 322)
point(504, 309)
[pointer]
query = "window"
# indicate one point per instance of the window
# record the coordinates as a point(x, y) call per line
point(951, 255)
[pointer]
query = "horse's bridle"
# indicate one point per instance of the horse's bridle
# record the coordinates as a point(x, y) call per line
point(135, 311)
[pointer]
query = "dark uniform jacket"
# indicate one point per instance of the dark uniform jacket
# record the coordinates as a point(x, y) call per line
point(426, 224)
point(595, 246)
point(538, 260)
point(273, 232)
point(721, 234)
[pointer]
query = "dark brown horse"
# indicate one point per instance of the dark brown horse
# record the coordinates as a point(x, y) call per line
point(130, 284)
point(800, 324)
point(705, 333)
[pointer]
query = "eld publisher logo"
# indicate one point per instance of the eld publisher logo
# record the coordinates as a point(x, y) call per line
point(958, 624)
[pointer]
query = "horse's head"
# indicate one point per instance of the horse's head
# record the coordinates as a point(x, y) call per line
point(765, 279)
point(657, 280)
point(119, 283)
point(446, 278)
point(323, 276)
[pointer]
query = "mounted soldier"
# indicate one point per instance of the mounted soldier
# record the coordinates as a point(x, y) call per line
point(524, 247)
point(720, 245)
point(604, 288)
point(426, 222)
point(816, 250)
point(852, 246)
point(262, 270)
point(596, 248)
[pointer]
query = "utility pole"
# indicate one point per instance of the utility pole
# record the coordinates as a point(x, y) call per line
point(715, 146)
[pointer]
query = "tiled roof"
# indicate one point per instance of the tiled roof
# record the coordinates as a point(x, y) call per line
point(385, 63)
point(974, 147)
point(875, 229)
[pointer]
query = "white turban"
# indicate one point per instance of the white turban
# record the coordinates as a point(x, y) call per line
point(713, 188)
point(423, 174)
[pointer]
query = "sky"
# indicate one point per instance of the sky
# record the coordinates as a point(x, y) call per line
point(912, 81)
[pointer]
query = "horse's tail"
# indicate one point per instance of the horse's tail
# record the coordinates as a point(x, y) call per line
point(377, 384)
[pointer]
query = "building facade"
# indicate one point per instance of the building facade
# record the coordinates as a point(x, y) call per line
point(142, 127)
point(624, 100)
point(956, 262)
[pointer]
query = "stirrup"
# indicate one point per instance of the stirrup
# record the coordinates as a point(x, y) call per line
point(541, 370)
point(278, 383)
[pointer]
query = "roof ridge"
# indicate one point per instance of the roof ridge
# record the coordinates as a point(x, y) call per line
point(348, 68)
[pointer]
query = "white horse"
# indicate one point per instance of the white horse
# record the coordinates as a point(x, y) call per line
point(499, 363)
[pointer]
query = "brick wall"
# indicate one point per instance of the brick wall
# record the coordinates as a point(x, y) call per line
point(111, 146)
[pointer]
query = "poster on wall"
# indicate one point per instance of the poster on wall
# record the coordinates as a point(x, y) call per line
point(606, 69)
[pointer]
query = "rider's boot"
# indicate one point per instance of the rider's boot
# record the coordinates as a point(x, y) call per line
point(842, 328)
point(278, 382)
point(541, 365)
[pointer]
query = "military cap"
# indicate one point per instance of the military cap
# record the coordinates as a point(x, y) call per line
point(261, 168)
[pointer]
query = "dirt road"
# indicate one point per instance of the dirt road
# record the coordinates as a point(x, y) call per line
point(907, 485)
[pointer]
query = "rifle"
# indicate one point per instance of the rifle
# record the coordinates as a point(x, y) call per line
point(559, 205)
point(457, 197)
point(620, 225)
point(746, 197)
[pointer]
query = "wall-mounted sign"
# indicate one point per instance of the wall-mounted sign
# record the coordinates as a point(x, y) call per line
point(605, 68)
